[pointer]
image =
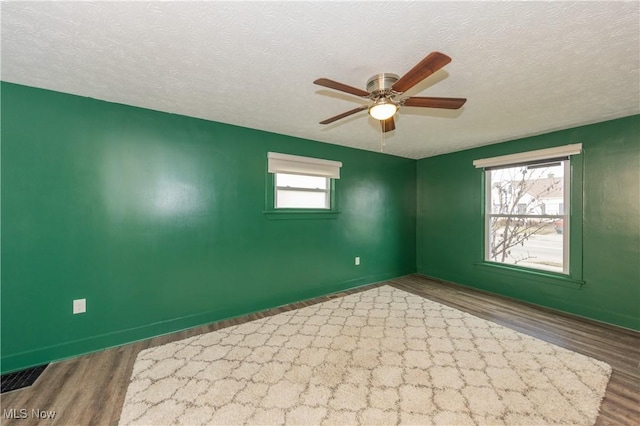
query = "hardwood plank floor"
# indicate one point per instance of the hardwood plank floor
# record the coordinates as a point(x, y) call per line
point(90, 389)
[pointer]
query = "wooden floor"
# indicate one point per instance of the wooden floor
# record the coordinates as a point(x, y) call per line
point(90, 389)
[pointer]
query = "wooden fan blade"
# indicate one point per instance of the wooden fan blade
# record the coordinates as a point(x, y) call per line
point(432, 63)
point(341, 87)
point(426, 102)
point(388, 125)
point(343, 115)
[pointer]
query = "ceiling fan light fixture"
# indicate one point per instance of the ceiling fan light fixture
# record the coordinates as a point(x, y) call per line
point(383, 110)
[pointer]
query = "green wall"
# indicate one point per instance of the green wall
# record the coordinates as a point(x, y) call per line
point(450, 226)
point(158, 221)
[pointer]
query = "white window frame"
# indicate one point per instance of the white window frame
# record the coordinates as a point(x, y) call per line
point(526, 158)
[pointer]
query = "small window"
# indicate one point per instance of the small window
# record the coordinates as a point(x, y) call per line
point(301, 183)
point(301, 192)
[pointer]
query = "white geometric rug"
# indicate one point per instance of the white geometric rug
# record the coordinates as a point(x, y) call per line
point(379, 357)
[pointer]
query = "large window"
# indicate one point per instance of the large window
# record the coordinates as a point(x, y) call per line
point(301, 183)
point(526, 223)
point(527, 209)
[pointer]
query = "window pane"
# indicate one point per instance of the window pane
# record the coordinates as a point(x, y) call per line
point(528, 190)
point(301, 199)
point(533, 243)
point(300, 181)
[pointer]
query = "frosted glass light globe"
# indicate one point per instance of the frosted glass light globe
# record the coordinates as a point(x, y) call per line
point(383, 110)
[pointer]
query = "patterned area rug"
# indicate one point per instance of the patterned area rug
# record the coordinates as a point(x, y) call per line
point(383, 356)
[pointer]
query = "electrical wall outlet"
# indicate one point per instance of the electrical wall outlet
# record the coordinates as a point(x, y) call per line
point(79, 306)
point(358, 260)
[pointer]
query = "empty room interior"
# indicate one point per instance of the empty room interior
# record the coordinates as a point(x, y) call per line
point(320, 213)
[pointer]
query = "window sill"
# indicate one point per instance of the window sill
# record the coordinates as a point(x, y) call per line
point(530, 274)
point(292, 214)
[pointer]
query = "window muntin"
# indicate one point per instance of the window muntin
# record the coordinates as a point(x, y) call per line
point(294, 191)
point(526, 224)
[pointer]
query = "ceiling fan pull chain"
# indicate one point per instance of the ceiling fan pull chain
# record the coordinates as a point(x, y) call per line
point(381, 141)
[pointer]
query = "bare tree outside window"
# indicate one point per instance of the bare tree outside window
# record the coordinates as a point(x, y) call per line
point(526, 225)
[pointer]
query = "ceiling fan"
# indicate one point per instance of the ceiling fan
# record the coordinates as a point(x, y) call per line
point(385, 90)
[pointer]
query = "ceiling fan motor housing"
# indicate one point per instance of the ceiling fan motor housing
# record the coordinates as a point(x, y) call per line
point(381, 84)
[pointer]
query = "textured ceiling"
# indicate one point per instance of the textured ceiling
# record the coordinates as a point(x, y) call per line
point(525, 67)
